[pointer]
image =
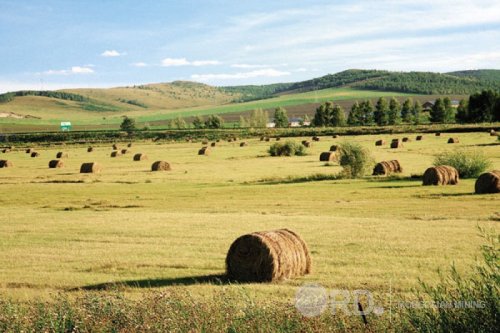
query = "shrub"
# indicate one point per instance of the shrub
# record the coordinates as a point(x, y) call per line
point(470, 164)
point(459, 304)
point(288, 148)
point(355, 160)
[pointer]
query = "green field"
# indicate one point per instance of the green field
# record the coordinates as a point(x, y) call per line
point(64, 230)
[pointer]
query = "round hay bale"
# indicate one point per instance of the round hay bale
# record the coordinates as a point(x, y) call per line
point(115, 146)
point(218, 140)
point(453, 140)
point(385, 168)
point(6, 150)
point(438, 134)
point(268, 256)
point(229, 140)
point(267, 139)
point(204, 141)
point(115, 153)
point(278, 138)
point(90, 167)
point(243, 144)
point(90, 149)
point(29, 150)
point(262, 138)
point(488, 182)
point(204, 151)
point(56, 164)
point(35, 154)
point(160, 166)
point(405, 139)
point(327, 156)
point(140, 157)
point(213, 144)
point(6, 164)
point(419, 138)
point(493, 133)
point(306, 143)
point(335, 136)
point(396, 143)
point(380, 142)
point(62, 155)
point(315, 138)
point(125, 151)
point(334, 148)
point(440, 175)
point(129, 144)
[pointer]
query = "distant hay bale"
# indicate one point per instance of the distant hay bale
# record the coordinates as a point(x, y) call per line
point(56, 164)
point(62, 155)
point(204, 141)
point(6, 150)
point(419, 138)
point(306, 143)
point(267, 139)
point(441, 175)
point(129, 145)
point(204, 151)
point(334, 148)
point(243, 144)
point(453, 140)
point(213, 144)
point(115, 153)
point(380, 142)
point(488, 182)
point(396, 143)
point(91, 167)
point(29, 150)
point(262, 138)
point(405, 139)
point(35, 154)
point(160, 166)
point(235, 138)
point(90, 149)
point(115, 146)
point(385, 168)
point(125, 151)
point(335, 136)
point(493, 133)
point(315, 138)
point(6, 164)
point(229, 140)
point(268, 256)
point(438, 134)
point(327, 156)
point(278, 138)
point(140, 157)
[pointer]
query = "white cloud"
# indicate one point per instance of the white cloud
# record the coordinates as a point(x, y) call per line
point(269, 72)
point(175, 62)
point(73, 70)
point(247, 66)
point(112, 53)
point(139, 64)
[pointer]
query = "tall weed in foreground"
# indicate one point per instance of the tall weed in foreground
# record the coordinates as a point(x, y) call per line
point(459, 304)
point(288, 148)
point(354, 159)
point(469, 164)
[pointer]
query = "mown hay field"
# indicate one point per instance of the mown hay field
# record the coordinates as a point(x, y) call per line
point(62, 230)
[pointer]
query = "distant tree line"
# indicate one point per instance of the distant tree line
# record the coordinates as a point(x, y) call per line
point(7, 97)
point(212, 122)
point(481, 107)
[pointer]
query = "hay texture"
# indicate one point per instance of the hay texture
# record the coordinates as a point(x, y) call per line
point(115, 153)
point(419, 138)
point(488, 182)
point(268, 256)
point(453, 140)
point(35, 154)
point(160, 166)
point(56, 164)
point(62, 155)
point(380, 142)
point(6, 164)
point(396, 143)
point(204, 151)
point(140, 157)
point(441, 175)
point(91, 167)
point(385, 168)
point(328, 156)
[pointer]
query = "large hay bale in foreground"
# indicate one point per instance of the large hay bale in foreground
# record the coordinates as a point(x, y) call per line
point(419, 137)
point(35, 154)
point(268, 256)
point(328, 156)
point(488, 182)
point(396, 144)
point(56, 164)
point(62, 155)
point(453, 140)
point(441, 175)
point(140, 157)
point(115, 153)
point(160, 166)
point(204, 151)
point(6, 164)
point(380, 142)
point(386, 168)
point(91, 167)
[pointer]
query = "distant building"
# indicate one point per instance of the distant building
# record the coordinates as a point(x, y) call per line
point(428, 105)
point(454, 103)
point(293, 122)
point(271, 125)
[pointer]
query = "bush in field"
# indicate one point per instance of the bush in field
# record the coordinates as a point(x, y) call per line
point(288, 148)
point(461, 304)
point(470, 164)
point(355, 160)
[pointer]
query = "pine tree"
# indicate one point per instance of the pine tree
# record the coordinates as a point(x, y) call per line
point(128, 125)
point(337, 116)
point(214, 121)
point(449, 112)
point(198, 122)
point(366, 113)
point(438, 110)
point(381, 112)
point(462, 112)
point(417, 112)
point(280, 117)
point(354, 116)
point(320, 116)
point(394, 112)
point(406, 110)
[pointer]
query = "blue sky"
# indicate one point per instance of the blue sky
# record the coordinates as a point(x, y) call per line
point(56, 44)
